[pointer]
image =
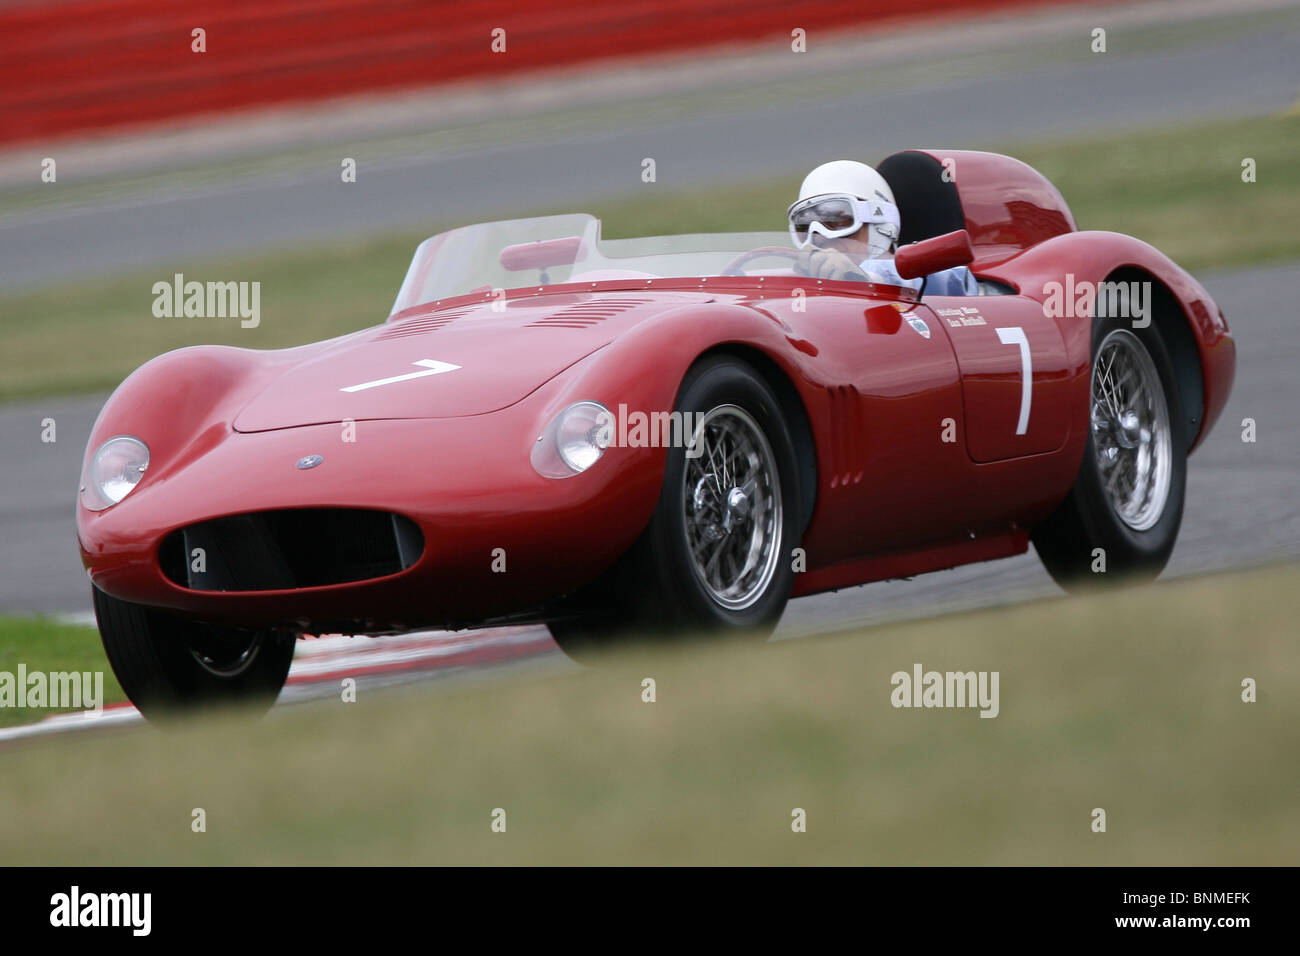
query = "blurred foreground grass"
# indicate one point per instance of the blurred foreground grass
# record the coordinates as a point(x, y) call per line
point(1129, 701)
point(1179, 189)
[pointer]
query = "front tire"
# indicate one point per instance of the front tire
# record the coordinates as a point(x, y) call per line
point(716, 555)
point(1126, 506)
point(168, 664)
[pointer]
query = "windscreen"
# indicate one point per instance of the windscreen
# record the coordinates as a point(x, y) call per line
point(550, 250)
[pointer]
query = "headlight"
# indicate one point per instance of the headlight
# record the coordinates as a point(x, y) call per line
point(573, 441)
point(113, 470)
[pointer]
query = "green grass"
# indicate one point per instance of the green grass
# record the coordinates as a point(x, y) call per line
point(1128, 701)
point(1179, 189)
point(45, 645)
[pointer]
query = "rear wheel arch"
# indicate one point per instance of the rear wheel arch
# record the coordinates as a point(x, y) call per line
point(1173, 326)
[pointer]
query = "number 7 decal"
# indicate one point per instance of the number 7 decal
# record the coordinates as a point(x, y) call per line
point(1016, 336)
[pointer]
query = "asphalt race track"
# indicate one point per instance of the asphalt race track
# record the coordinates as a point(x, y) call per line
point(1241, 503)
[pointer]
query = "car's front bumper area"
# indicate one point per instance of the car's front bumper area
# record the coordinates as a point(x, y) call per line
point(413, 523)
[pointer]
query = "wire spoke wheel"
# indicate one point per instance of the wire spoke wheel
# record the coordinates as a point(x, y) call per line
point(710, 559)
point(1131, 430)
point(731, 496)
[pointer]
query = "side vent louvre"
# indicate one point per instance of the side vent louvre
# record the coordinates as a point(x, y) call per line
point(587, 314)
point(847, 448)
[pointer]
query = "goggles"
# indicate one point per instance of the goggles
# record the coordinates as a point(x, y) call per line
point(837, 215)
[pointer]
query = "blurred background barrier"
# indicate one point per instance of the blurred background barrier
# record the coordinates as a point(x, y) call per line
point(75, 65)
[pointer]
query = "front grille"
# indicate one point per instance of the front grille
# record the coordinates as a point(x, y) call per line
point(299, 548)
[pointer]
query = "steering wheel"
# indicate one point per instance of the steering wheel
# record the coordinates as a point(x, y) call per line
point(733, 268)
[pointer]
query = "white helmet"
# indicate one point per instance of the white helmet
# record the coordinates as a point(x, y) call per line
point(838, 198)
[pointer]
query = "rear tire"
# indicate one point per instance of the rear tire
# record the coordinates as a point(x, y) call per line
point(1127, 499)
point(167, 664)
point(716, 556)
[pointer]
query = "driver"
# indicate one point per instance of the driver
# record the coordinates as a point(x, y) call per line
point(845, 224)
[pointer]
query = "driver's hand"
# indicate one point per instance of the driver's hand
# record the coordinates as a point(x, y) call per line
point(820, 263)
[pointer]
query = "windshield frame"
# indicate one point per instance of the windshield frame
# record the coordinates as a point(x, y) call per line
point(595, 259)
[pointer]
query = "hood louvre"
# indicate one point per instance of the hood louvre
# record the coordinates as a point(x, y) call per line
point(587, 314)
point(418, 326)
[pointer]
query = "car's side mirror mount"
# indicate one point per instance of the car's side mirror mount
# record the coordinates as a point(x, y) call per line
point(920, 259)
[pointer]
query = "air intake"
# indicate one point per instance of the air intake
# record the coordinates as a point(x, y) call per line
point(283, 550)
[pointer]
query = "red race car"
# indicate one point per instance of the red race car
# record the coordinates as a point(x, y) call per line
point(662, 434)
